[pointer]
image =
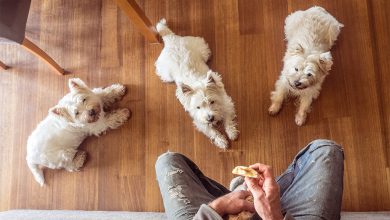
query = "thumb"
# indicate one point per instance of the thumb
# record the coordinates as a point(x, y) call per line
point(254, 187)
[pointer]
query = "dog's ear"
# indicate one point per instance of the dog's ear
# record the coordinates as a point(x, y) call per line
point(186, 89)
point(210, 78)
point(77, 85)
point(213, 79)
point(296, 49)
point(61, 112)
point(326, 61)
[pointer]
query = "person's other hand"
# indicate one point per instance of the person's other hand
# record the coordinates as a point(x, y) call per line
point(266, 193)
point(232, 203)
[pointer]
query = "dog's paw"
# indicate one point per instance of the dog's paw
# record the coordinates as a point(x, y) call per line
point(300, 119)
point(118, 91)
point(78, 161)
point(221, 142)
point(232, 133)
point(41, 181)
point(166, 79)
point(274, 109)
point(123, 114)
point(118, 117)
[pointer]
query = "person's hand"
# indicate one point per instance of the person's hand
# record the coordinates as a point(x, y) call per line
point(266, 193)
point(232, 203)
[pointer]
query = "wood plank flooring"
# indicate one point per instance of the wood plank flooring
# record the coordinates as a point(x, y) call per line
point(95, 41)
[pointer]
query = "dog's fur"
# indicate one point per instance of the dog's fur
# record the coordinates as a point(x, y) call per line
point(310, 35)
point(200, 90)
point(53, 144)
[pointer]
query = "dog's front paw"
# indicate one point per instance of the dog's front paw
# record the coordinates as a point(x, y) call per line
point(118, 91)
point(124, 113)
point(78, 161)
point(300, 119)
point(118, 117)
point(221, 142)
point(274, 109)
point(232, 133)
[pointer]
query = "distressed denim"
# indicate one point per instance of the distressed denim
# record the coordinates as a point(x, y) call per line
point(310, 188)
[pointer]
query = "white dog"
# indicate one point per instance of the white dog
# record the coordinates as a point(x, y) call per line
point(310, 35)
point(200, 90)
point(79, 114)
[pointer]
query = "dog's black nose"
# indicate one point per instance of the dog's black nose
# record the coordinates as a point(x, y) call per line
point(297, 83)
point(92, 112)
point(210, 118)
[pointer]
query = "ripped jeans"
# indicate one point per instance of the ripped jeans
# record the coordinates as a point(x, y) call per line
point(310, 188)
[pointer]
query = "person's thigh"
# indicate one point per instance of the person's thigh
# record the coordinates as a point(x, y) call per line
point(183, 186)
point(312, 186)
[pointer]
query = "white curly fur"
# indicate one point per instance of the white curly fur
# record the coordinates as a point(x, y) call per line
point(53, 144)
point(199, 90)
point(310, 35)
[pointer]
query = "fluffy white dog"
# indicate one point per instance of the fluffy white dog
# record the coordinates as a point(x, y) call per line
point(310, 35)
point(200, 90)
point(53, 144)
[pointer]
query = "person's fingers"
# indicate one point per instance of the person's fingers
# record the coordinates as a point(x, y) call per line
point(254, 187)
point(271, 188)
point(263, 169)
point(248, 206)
point(257, 166)
point(260, 181)
point(252, 183)
point(269, 182)
point(242, 194)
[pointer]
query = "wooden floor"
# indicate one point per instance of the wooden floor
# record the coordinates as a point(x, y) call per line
point(95, 41)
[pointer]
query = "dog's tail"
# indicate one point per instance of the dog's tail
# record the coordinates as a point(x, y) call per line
point(162, 28)
point(37, 172)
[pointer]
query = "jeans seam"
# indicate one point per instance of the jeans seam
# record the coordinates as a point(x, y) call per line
point(284, 174)
point(280, 177)
point(336, 146)
point(329, 144)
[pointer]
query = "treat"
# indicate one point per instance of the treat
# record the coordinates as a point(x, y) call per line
point(245, 171)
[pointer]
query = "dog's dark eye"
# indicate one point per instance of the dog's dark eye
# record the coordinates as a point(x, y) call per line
point(309, 74)
point(84, 100)
point(198, 107)
point(212, 102)
point(76, 113)
point(296, 69)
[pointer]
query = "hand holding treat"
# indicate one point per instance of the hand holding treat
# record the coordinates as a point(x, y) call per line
point(266, 193)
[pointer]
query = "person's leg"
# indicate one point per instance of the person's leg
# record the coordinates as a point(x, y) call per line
point(183, 186)
point(312, 186)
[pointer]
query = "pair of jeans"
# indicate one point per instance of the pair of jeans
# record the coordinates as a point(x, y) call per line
point(310, 188)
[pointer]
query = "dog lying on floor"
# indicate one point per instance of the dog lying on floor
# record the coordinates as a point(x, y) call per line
point(199, 89)
point(79, 114)
point(310, 35)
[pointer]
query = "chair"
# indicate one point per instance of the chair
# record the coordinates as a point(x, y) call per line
point(13, 19)
point(139, 19)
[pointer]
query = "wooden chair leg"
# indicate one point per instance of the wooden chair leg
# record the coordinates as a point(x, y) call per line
point(30, 46)
point(139, 19)
point(3, 66)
